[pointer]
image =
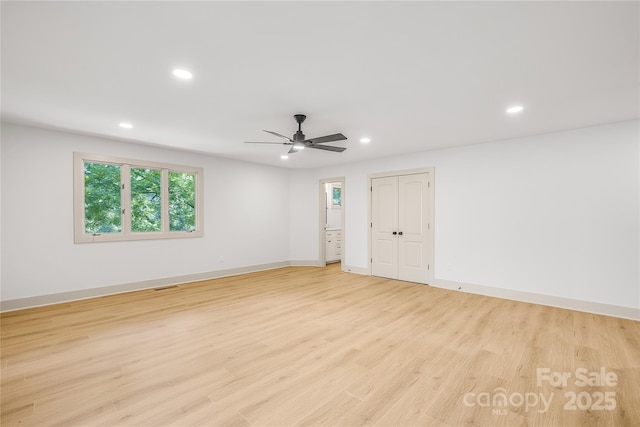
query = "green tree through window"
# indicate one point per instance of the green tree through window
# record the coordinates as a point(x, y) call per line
point(118, 199)
point(146, 200)
point(102, 201)
point(182, 201)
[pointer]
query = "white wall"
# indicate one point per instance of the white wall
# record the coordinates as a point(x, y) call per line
point(246, 216)
point(555, 214)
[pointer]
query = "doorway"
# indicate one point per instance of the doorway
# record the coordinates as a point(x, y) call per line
point(401, 225)
point(331, 224)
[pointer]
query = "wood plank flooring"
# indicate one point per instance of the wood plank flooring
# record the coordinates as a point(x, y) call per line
point(312, 346)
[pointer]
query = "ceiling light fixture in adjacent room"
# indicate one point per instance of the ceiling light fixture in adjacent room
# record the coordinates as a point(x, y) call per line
point(515, 109)
point(182, 74)
point(126, 125)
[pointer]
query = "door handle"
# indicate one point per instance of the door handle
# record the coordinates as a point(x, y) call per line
point(400, 233)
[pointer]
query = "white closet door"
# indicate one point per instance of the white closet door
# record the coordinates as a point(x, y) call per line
point(384, 218)
point(413, 223)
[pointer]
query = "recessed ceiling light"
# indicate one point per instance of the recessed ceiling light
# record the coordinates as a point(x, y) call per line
point(515, 109)
point(365, 140)
point(284, 157)
point(126, 125)
point(182, 74)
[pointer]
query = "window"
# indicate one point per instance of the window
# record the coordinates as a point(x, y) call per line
point(102, 213)
point(146, 200)
point(182, 188)
point(124, 199)
point(336, 196)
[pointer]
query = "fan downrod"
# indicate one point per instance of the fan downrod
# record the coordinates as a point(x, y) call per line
point(299, 136)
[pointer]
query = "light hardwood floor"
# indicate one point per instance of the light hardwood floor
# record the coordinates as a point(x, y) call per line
point(311, 346)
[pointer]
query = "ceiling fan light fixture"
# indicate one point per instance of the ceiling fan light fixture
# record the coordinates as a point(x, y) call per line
point(298, 146)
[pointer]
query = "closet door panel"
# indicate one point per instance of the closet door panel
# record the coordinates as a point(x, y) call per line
point(384, 222)
point(413, 222)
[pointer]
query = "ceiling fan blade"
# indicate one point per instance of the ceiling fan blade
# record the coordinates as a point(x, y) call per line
point(328, 138)
point(261, 142)
point(328, 148)
point(278, 135)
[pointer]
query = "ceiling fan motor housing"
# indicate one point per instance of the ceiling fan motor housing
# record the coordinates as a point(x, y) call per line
point(299, 136)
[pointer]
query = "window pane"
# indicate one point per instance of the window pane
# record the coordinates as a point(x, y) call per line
point(337, 196)
point(182, 201)
point(102, 204)
point(146, 202)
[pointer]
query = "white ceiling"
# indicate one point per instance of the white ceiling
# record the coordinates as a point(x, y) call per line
point(413, 76)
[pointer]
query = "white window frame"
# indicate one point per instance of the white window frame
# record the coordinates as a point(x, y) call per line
point(80, 236)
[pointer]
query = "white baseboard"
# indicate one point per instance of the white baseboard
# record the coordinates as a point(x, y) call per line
point(304, 263)
point(549, 300)
point(41, 300)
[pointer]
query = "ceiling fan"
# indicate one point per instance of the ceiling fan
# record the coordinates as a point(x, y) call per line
point(299, 141)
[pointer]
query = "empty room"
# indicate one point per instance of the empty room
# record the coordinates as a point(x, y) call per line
point(326, 213)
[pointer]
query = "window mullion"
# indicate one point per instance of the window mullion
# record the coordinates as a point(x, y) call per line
point(126, 198)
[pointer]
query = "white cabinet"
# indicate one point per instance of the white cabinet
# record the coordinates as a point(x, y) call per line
point(333, 245)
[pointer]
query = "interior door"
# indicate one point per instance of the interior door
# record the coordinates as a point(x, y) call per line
point(400, 227)
point(413, 223)
point(384, 220)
